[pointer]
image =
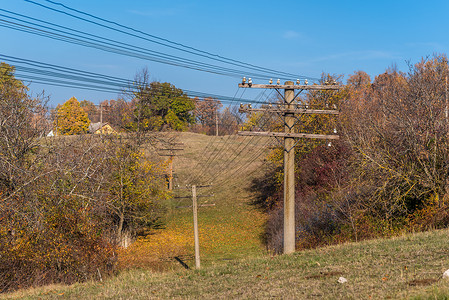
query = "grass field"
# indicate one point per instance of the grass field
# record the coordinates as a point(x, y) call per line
point(407, 267)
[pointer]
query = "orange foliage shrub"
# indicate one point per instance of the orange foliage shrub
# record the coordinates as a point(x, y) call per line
point(67, 246)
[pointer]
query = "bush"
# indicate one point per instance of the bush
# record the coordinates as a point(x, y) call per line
point(65, 202)
point(319, 213)
point(67, 246)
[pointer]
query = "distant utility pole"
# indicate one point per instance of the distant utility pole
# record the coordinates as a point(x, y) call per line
point(216, 121)
point(288, 110)
point(101, 119)
point(101, 115)
point(172, 148)
point(446, 108)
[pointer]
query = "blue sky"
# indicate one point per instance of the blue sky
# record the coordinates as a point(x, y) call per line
point(300, 37)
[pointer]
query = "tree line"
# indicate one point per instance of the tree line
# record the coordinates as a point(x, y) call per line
point(147, 106)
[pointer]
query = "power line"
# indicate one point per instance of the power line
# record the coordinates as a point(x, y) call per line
point(211, 157)
point(225, 169)
point(139, 33)
point(70, 35)
point(45, 73)
point(229, 175)
point(216, 153)
point(112, 46)
point(236, 153)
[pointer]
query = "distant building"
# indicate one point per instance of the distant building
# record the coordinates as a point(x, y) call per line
point(103, 128)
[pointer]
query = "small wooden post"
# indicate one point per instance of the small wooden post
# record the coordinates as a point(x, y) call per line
point(216, 121)
point(195, 228)
point(170, 173)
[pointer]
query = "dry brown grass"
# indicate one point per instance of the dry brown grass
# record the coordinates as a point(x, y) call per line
point(410, 266)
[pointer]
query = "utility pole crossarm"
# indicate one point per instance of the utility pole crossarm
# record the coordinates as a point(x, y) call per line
point(290, 135)
point(293, 111)
point(290, 86)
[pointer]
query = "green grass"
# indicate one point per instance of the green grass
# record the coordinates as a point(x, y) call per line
point(410, 266)
point(230, 229)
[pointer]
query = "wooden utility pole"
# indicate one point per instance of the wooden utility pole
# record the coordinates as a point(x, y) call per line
point(289, 111)
point(195, 227)
point(101, 115)
point(101, 119)
point(195, 218)
point(289, 173)
point(170, 173)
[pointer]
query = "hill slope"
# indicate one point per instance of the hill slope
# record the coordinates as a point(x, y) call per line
point(403, 267)
point(229, 226)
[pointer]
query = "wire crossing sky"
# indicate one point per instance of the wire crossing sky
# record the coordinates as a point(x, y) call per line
point(208, 46)
point(54, 75)
point(158, 40)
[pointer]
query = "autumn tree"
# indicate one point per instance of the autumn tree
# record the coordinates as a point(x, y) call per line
point(91, 109)
point(206, 114)
point(71, 118)
point(398, 127)
point(61, 199)
point(119, 113)
point(160, 105)
point(229, 120)
point(45, 236)
point(136, 189)
point(22, 123)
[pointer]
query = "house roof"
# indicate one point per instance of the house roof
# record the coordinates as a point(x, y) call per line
point(93, 127)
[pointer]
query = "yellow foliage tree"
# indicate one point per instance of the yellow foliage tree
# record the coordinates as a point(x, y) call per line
point(136, 190)
point(71, 118)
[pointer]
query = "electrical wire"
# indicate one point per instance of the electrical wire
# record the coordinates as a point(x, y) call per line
point(193, 177)
point(44, 73)
point(102, 43)
point(161, 41)
point(70, 35)
point(237, 152)
point(225, 169)
point(227, 162)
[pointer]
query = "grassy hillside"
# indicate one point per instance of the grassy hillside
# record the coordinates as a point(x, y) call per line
point(231, 227)
point(410, 266)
